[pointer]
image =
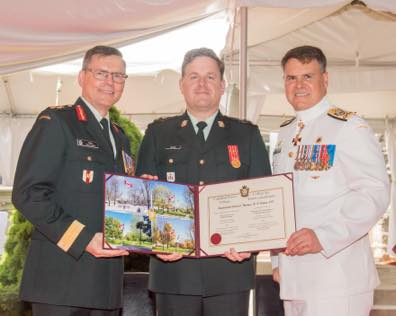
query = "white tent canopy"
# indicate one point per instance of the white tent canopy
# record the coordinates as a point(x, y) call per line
point(358, 42)
point(43, 32)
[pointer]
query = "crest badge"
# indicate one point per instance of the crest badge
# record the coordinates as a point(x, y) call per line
point(244, 191)
point(170, 176)
point(87, 176)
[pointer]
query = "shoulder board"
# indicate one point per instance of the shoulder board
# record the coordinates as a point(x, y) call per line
point(162, 119)
point(61, 107)
point(165, 119)
point(340, 114)
point(287, 122)
point(231, 118)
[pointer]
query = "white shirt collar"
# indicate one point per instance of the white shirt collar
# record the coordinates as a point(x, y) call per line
point(209, 121)
point(315, 111)
point(95, 112)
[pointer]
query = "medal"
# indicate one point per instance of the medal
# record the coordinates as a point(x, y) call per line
point(233, 156)
point(129, 165)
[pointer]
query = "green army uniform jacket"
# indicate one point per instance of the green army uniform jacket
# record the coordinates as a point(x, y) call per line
point(171, 151)
point(59, 188)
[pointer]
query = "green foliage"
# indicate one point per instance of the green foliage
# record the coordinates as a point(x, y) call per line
point(113, 228)
point(130, 130)
point(20, 230)
point(12, 262)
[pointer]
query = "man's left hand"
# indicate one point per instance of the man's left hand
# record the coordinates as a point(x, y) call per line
point(302, 242)
point(234, 256)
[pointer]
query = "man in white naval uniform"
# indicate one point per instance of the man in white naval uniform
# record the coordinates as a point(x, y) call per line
point(341, 190)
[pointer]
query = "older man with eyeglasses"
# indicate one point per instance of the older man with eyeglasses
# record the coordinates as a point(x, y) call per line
point(59, 189)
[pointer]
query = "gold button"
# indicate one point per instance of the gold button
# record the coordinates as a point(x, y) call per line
point(291, 154)
point(89, 158)
point(202, 161)
point(201, 182)
point(170, 160)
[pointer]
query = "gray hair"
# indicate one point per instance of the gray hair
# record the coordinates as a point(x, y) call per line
point(305, 54)
point(202, 52)
point(102, 51)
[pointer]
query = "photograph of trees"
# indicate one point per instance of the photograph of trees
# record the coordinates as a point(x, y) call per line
point(148, 216)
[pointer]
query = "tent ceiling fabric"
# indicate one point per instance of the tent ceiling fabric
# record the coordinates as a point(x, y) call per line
point(43, 32)
point(358, 42)
point(383, 5)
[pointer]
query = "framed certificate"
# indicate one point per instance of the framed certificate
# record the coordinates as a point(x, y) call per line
point(153, 216)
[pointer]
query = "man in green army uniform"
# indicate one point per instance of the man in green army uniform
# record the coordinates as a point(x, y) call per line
point(199, 147)
point(59, 188)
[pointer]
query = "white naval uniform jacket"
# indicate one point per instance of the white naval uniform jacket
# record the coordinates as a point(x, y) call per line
point(341, 204)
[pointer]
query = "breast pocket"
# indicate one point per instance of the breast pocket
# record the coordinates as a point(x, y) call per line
point(84, 171)
point(173, 164)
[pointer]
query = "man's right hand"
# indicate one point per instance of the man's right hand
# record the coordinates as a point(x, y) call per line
point(95, 248)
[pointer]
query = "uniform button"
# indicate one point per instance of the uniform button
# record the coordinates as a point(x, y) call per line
point(291, 154)
point(202, 161)
point(89, 158)
point(170, 161)
point(201, 182)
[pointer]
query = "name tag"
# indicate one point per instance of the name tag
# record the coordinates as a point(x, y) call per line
point(87, 143)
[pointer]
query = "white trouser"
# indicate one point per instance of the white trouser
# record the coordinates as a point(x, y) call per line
point(355, 305)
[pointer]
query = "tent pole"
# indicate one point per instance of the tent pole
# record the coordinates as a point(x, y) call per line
point(243, 63)
point(10, 97)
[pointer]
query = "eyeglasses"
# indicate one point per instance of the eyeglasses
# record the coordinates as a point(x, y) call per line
point(103, 75)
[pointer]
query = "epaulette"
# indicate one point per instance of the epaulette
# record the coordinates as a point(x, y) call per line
point(340, 114)
point(287, 122)
point(243, 121)
point(61, 107)
point(162, 119)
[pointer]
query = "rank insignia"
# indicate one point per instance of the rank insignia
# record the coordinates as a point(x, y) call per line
point(129, 165)
point(170, 176)
point(87, 176)
point(233, 155)
point(340, 114)
point(221, 124)
point(81, 115)
point(184, 123)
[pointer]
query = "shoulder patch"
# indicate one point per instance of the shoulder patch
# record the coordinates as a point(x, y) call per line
point(340, 114)
point(61, 107)
point(287, 122)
